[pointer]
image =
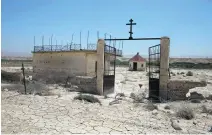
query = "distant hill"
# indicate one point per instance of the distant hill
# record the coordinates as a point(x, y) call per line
point(172, 60)
point(15, 58)
point(192, 59)
point(16, 54)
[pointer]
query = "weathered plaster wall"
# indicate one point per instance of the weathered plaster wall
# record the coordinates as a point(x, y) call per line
point(78, 63)
point(164, 67)
point(71, 62)
point(139, 66)
point(91, 61)
point(100, 66)
point(177, 89)
point(87, 84)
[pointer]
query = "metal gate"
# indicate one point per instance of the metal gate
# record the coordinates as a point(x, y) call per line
point(109, 69)
point(154, 72)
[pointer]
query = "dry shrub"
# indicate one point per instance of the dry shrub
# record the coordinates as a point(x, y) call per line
point(124, 82)
point(10, 77)
point(150, 106)
point(182, 73)
point(32, 87)
point(210, 130)
point(149, 74)
point(120, 95)
point(204, 82)
point(206, 110)
point(105, 96)
point(132, 95)
point(52, 77)
point(173, 74)
point(137, 98)
point(195, 101)
point(167, 107)
point(189, 73)
point(88, 98)
point(38, 88)
point(116, 101)
point(185, 112)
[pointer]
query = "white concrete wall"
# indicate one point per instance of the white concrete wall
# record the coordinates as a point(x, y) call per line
point(70, 62)
point(139, 67)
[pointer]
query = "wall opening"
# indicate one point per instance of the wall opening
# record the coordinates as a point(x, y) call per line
point(135, 66)
point(96, 68)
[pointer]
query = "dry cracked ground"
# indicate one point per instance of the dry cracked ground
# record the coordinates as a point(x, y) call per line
point(34, 114)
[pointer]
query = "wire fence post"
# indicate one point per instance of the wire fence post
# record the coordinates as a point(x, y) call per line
point(80, 41)
point(24, 81)
point(34, 43)
point(97, 35)
point(66, 83)
point(110, 40)
point(43, 43)
point(87, 39)
point(34, 40)
point(51, 42)
point(56, 46)
point(72, 38)
point(51, 39)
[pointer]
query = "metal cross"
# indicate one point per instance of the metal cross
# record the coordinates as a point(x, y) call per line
point(131, 24)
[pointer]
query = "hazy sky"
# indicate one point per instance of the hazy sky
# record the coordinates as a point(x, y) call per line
point(188, 23)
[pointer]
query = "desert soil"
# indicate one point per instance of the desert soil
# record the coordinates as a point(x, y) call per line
point(60, 114)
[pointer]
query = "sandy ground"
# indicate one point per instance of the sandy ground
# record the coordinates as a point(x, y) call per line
point(128, 81)
point(60, 114)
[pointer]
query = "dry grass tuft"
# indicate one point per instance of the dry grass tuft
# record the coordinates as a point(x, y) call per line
point(123, 82)
point(88, 98)
point(195, 101)
point(151, 107)
point(185, 112)
point(204, 82)
point(206, 110)
point(189, 73)
point(10, 77)
point(167, 107)
point(132, 95)
point(138, 98)
point(148, 74)
point(173, 74)
point(105, 96)
point(120, 95)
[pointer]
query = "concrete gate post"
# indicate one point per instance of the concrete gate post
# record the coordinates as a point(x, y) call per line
point(164, 67)
point(100, 66)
